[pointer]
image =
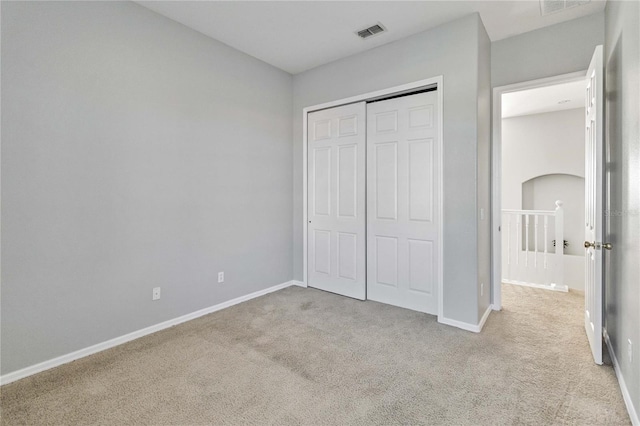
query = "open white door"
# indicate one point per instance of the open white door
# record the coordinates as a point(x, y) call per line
point(336, 195)
point(593, 201)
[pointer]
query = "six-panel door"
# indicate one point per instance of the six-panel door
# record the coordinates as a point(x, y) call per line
point(594, 186)
point(336, 200)
point(402, 195)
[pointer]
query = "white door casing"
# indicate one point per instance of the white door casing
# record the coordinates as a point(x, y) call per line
point(496, 217)
point(594, 187)
point(336, 200)
point(403, 216)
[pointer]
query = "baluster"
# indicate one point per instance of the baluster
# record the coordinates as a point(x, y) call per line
point(546, 236)
point(526, 259)
point(509, 240)
point(535, 238)
point(518, 232)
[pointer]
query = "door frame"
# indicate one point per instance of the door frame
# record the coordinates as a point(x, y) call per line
point(396, 90)
point(496, 171)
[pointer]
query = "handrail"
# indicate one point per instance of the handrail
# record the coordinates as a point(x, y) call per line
point(540, 212)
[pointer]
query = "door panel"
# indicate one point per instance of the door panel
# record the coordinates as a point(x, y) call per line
point(594, 187)
point(402, 186)
point(347, 255)
point(386, 183)
point(347, 181)
point(322, 251)
point(421, 180)
point(386, 260)
point(420, 266)
point(336, 191)
point(321, 181)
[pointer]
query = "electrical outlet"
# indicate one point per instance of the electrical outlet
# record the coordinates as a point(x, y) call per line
point(481, 289)
point(156, 293)
point(220, 277)
point(630, 350)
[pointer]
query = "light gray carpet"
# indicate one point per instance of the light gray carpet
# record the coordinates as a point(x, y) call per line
point(303, 356)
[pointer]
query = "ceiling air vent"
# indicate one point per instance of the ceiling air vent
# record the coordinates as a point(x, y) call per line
point(371, 31)
point(548, 7)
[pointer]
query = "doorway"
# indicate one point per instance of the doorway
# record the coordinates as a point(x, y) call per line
point(373, 196)
point(543, 186)
point(592, 219)
point(523, 250)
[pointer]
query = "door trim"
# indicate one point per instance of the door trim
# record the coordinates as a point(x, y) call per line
point(496, 171)
point(405, 88)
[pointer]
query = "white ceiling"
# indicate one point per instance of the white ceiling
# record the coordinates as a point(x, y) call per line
point(544, 99)
point(299, 35)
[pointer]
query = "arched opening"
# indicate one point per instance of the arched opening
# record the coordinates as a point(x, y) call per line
point(541, 193)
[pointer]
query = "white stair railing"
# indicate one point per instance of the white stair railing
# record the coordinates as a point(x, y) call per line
point(528, 237)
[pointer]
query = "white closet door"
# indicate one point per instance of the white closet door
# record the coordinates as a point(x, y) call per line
point(403, 161)
point(336, 194)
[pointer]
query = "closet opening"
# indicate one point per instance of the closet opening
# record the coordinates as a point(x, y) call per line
point(373, 196)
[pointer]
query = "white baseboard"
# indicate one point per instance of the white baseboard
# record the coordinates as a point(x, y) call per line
point(299, 283)
point(554, 287)
point(476, 328)
point(485, 316)
point(633, 415)
point(55, 362)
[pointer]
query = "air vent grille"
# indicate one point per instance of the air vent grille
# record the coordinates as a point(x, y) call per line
point(371, 31)
point(548, 7)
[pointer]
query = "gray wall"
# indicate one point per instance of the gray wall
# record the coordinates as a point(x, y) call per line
point(452, 51)
point(135, 153)
point(484, 169)
point(622, 136)
point(558, 49)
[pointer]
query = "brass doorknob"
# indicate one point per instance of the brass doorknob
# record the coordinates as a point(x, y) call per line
point(587, 244)
point(607, 246)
